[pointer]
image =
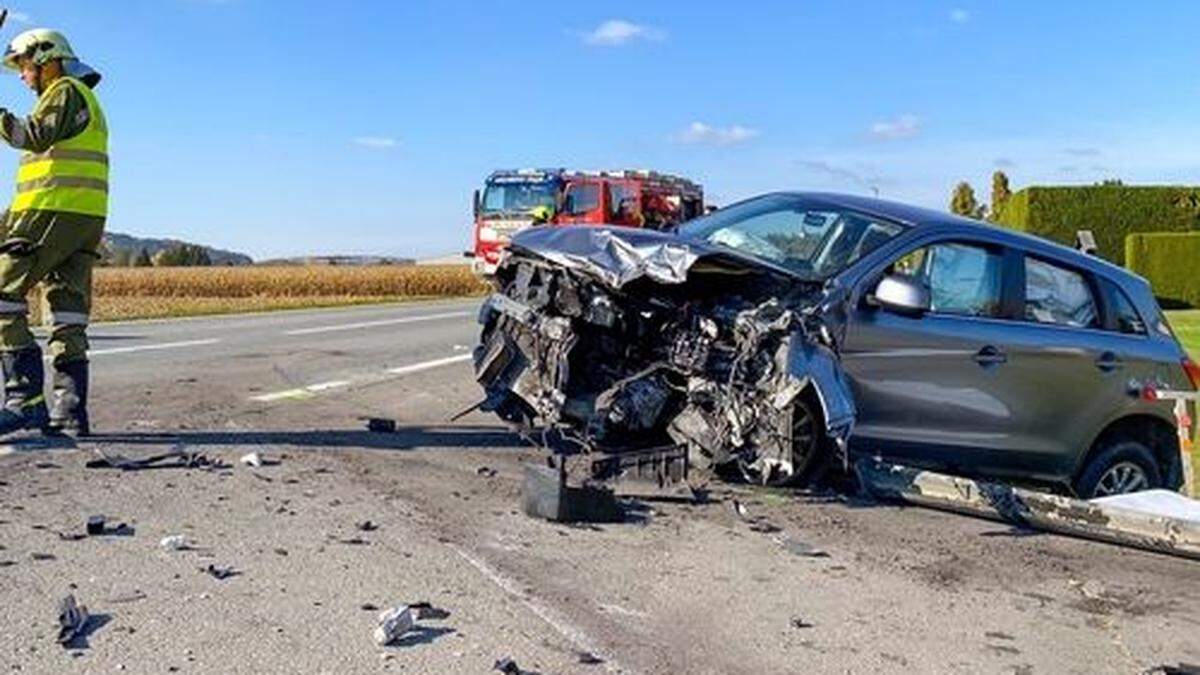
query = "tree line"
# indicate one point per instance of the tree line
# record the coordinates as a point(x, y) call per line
point(964, 203)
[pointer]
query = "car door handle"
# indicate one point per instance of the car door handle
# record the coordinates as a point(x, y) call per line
point(1109, 362)
point(990, 356)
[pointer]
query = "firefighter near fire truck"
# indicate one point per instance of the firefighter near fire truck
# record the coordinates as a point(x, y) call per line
point(52, 232)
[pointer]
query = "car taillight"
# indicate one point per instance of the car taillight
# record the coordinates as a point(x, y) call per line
point(1193, 372)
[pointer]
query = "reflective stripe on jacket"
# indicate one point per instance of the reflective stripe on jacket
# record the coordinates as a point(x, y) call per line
point(71, 176)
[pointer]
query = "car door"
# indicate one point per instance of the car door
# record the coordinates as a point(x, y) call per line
point(929, 387)
point(1068, 373)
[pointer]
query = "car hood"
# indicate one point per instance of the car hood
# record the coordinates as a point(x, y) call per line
point(616, 256)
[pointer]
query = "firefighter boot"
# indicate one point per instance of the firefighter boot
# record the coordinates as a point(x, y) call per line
point(24, 398)
point(68, 406)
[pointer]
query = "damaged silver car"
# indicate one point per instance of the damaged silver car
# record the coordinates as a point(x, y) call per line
point(784, 331)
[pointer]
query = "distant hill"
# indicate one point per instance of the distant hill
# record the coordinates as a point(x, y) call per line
point(349, 260)
point(115, 241)
point(448, 259)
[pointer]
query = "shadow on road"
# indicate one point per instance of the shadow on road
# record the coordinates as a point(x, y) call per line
point(403, 438)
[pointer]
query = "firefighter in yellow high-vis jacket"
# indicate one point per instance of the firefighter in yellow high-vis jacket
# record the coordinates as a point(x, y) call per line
point(55, 224)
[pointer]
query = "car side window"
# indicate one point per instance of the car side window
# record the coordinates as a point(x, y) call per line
point(1059, 296)
point(963, 279)
point(1125, 315)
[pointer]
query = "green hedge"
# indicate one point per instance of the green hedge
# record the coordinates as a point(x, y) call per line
point(1170, 261)
point(1111, 212)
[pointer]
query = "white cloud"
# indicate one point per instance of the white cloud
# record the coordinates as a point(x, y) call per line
point(377, 142)
point(1003, 163)
point(615, 32)
point(19, 17)
point(960, 15)
point(1082, 152)
point(861, 176)
point(904, 126)
point(699, 133)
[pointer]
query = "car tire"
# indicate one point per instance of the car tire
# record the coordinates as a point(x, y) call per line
point(809, 450)
point(1121, 466)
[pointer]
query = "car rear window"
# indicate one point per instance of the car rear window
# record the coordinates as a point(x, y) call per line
point(1125, 316)
point(1057, 295)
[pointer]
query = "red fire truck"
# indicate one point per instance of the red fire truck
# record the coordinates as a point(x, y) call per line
point(630, 198)
point(633, 198)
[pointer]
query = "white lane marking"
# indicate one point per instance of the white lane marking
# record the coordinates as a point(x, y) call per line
point(302, 392)
point(322, 386)
point(426, 365)
point(312, 389)
point(146, 348)
point(382, 322)
point(553, 618)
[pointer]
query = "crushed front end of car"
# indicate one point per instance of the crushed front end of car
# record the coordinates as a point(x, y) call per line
point(620, 340)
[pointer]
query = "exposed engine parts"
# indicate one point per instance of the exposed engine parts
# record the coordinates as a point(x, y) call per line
point(743, 379)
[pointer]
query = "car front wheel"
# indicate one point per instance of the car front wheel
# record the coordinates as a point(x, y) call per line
point(1120, 468)
point(804, 453)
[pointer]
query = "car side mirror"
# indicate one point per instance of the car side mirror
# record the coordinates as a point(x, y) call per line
point(902, 294)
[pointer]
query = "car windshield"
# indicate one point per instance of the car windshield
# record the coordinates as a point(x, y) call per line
point(516, 198)
point(814, 241)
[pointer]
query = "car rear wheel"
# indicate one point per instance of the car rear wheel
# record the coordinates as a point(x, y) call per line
point(1121, 467)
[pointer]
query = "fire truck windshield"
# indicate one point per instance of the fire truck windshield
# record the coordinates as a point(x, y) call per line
point(501, 199)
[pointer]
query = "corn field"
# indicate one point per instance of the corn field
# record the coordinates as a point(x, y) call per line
point(154, 292)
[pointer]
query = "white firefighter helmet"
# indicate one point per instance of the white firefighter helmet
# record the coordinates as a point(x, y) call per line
point(44, 45)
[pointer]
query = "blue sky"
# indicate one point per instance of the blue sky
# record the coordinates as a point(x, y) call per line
point(286, 128)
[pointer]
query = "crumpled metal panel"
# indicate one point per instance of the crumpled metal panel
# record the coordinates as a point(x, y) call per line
point(613, 258)
point(824, 370)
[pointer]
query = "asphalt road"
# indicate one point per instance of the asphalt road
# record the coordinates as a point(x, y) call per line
point(811, 583)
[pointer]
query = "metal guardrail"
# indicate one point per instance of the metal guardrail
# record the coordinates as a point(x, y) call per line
point(1183, 426)
point(1094, 520)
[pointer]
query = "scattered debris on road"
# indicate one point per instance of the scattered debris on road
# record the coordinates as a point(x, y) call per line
point(72, 620)
point(546, 495)
point(589, 659)
point(799, 548)
point(366, 526)
point(381, 425)
point(176, 459)
point(220, 572)
point(426, 610)
point(393, 623)
point(1181, 669)
point(252, 459)
point(486, 471)
point(175, 542)
point(507, 666)
point(95, 525)
point(798, 622)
